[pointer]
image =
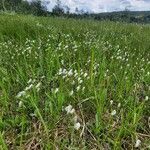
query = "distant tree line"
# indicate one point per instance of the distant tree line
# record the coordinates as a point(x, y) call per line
point(34, 7)
point(39, 8)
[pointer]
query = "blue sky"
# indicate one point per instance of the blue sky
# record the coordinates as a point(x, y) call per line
point(97, 6)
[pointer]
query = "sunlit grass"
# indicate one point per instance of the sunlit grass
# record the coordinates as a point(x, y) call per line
point(73, 84)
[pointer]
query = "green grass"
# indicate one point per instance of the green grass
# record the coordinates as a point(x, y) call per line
point(100, 70)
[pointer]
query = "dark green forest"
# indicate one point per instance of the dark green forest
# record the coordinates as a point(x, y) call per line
point(38, 8)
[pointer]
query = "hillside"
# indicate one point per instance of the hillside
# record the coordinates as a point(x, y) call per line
point(73, 84)
point(125, 16)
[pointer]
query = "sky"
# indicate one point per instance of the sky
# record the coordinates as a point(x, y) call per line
point(98, 6)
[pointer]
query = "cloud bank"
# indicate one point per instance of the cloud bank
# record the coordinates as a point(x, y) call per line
point(97, 6)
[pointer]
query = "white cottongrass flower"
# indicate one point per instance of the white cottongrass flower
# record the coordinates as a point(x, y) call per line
point(30, 80)
point(38, 85)
point(119, 105)
point(75, 71)
point(73, 82)
point(83, 88)
point(81, 72)
point(78, 87)
point(111, 102)
point(71, 93)
point(85, 75)
point(77, 126)
point(72, 111)
point(76, 74)
point(29, 87)
point(20, 104)
point(60, 71)
point(113, 113)
point(80, 81)
point(146, 98)
point(56, 90)
point(138, 143)
point(69, 109)
point(20, 94)
point(64, 71)
point(70, 73)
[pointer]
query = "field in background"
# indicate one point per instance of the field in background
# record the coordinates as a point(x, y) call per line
point(73, 84)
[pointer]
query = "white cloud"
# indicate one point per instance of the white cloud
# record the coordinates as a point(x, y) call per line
point(103, 5)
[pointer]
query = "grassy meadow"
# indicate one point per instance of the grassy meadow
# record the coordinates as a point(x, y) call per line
point(70, 84)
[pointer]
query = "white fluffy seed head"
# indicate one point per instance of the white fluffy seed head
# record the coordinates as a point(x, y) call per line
point(113, 113)
point(29, 87)
point(30, 80)
point(78, 88)
point(56, 90)
point(138, 143)
point(146, 98)
point(69, 109)
point(85, 75)
point(111, 102)
point(70, 73)
point(20, 94)
point(72, 111)
point(83, 88)
point(20, 104)
point(80, 81)
point(71, 93)
point(38, 85)
point(119, 105)
point(77, 126)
